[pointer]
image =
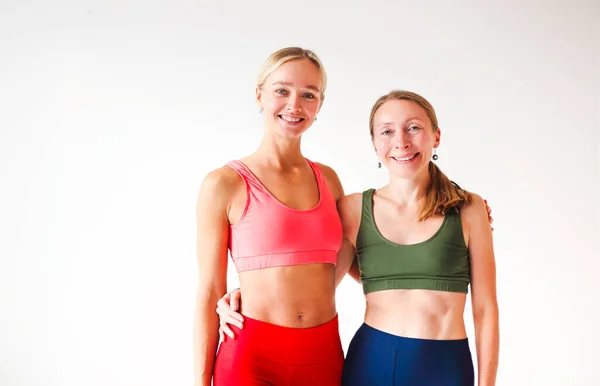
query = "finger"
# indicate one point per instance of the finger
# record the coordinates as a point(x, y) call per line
point(236, 316)
point(223, 302)
point(228, 331)
point(236, 322)
point(222, 312)
point(221, 336)
point(235, 300)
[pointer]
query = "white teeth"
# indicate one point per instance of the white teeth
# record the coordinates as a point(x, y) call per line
point(404, 158)
point(290, 119)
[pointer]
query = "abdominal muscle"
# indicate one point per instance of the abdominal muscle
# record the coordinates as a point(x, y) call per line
point(299, 296)
point(422, 314)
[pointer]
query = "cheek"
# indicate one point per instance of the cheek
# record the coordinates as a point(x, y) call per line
point(426, 141)
point(382, 146)
point(271, 101)
point(311, 108)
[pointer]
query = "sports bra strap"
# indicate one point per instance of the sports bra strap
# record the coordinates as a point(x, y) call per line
point(251, 181)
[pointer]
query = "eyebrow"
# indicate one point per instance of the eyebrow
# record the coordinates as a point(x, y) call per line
point(289, 84)
point(383, 124)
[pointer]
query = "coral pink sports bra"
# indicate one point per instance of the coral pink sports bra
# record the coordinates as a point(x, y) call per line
point(271, 234)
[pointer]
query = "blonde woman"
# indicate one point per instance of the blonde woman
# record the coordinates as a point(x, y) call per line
point(276, 212)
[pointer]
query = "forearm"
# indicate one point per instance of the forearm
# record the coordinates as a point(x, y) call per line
point(487, 339)
point(206, 340)
point(345, 261)
point(354, 272)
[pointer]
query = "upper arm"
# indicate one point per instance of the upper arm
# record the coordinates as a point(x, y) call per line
point(213, 233)
point(481, 252)
point(349, 208)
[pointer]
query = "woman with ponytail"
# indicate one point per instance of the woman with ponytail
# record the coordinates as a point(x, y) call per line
point(419, 241)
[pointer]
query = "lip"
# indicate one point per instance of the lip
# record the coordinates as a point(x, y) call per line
point(300, 119)
point(397, 159)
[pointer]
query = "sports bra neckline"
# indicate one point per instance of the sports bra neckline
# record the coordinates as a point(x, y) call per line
point(316, 176)
point(393, 243)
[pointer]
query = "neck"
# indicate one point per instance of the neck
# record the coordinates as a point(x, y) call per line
point(407, 191)
point(280, 152)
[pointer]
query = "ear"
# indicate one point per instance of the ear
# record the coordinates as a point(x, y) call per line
point(438, 135)
point(258, 97)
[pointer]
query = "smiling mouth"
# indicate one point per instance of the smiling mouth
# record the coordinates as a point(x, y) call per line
point(405, 159)
point(292, 120)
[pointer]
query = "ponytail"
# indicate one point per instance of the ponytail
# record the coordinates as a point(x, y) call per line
point(441, 195)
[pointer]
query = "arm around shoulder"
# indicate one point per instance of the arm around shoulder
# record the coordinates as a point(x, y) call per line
point(349, 208)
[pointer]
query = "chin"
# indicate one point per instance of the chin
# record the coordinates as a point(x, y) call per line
point(406, 172)
point(294, 132)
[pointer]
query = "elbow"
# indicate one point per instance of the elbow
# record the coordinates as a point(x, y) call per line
point(211, 291)
point(488, 311)
point(206, 302)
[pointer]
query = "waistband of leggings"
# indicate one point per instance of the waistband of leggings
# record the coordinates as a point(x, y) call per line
point(286, 344)
point(373, 335)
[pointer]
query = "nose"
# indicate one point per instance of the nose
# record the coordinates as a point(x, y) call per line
point(402, 140)
point(293, 102)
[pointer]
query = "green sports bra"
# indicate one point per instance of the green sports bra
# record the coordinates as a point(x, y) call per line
point(440, 263)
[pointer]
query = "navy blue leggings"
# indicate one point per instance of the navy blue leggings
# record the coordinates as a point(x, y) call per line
point(377, 358)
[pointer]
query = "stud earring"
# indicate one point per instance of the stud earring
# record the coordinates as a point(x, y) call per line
point(435, 156)
point(379, 164)
point(260, 111)
point(315, 119)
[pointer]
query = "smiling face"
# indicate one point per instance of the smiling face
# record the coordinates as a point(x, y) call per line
point(291, 97)
point(404, 137)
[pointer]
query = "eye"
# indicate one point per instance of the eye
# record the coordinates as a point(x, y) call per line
point(414, 128)
point(309, 96)
point(281, 91)
point(386, 132)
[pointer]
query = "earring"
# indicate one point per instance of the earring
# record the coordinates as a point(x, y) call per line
point(315, 119)
point(379, 164)
point(435, 156)
point(260, 111)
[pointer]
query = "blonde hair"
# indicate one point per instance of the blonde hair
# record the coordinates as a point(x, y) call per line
point(285, 55)
point(441, 194)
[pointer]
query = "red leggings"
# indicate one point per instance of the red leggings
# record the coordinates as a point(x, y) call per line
point(266, 354)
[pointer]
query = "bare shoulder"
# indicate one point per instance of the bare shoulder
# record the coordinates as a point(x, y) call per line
point(351, 203)
point(332, 180)
point(219, 185)
point(475, 213)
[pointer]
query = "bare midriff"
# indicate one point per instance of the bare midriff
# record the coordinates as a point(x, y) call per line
point(298, 296)
point(423, 314)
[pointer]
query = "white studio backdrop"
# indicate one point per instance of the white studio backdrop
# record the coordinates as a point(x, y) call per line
point(112, 112)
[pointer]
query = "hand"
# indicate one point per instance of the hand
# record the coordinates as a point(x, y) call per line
point(227, 308)
point(489, 211)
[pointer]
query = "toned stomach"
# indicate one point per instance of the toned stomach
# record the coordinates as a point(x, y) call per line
point(422, 314)
point(299, 296)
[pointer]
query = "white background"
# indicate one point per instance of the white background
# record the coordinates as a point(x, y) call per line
point(112, 112)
